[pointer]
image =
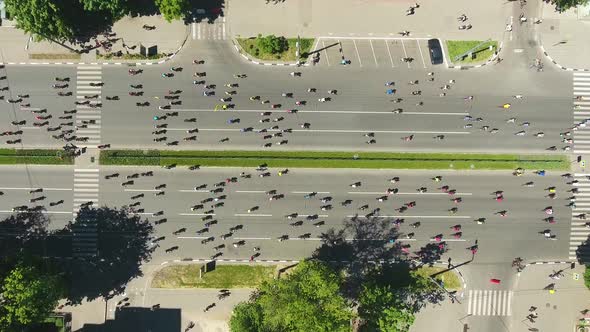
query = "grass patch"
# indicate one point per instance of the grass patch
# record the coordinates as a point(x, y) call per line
point(250, 46)
point(458, 47)
point(449, 278)
point(224, 276)
point(65, 56)
point(313, 159)
point(134, 56)
point(33, 156)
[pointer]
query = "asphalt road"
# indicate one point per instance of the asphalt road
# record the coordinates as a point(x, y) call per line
point(500, 239)
point(358, 108)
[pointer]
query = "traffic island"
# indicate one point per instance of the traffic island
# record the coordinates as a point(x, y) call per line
point(275, 49)
point(35, 156)
point(221, 276)
point(321, 159)
point(471, 52)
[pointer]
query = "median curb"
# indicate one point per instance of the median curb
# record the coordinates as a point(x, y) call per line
point(167, 58)
point(557, 64)
point(492, 60)
point(258, 62)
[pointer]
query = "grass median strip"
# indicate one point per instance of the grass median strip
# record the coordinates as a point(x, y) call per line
point(320, 159)
point(449, 278)
point(482, 53)
point(34, 156)
point(224, 276)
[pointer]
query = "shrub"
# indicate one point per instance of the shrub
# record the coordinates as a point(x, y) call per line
point(272, 44)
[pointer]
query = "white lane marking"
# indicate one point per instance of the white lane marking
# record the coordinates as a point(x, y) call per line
point(449, 240)
point(333, 112)
point(250, 191)
point(405, 53)
point(388, 51)
point(374, 56)
point(307, 192)
point(337, 131)
point(251, 215)
point(44, 189)
point(43, 212)
point(196, 214)
point(421, 54)
point(423, 217)
point(357, 53)
point(512, 25)
point(404, 193)
point(194, 31)
point(325, 52)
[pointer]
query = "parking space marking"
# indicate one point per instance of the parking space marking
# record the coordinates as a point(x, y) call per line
point(357, 53)
point(374, 56)
point(325, 52)
point(405, 53)
point(421, 55)
point(390, 57)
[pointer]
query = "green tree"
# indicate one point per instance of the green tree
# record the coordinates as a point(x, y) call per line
point(563, 5)
point(117, 8)
point(308, 299)
point(172, 9)
point(587, 277)
point(382, 309)
point(29, 295)
point(246, 317)
point(272, 44)
point(46, 19)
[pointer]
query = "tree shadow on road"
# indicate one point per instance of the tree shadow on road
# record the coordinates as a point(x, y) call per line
point(109, 247)
point(20, 235)
point(373, 241)
point(583, 252)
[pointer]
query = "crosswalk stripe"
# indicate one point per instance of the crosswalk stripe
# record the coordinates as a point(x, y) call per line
point(489, 302)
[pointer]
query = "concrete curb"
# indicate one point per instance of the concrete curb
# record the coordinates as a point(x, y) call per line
point(558, 65)
point(549, 263)
point(274, 261)
point(490, 61)
point(239, 51)
point(169, 57)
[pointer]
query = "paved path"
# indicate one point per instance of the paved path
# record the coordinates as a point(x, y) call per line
point(367, 18)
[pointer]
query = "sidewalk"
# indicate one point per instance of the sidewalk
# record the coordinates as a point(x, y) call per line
point(308, 18)
point(564, 36)
point(189, 303)
point(556, 312)
point(126, 37)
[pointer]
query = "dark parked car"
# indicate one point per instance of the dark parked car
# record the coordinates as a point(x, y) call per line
point(436, 56)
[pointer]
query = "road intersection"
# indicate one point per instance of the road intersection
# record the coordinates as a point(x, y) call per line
point(248, 217)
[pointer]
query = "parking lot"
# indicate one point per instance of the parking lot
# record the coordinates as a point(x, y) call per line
point(374, 52)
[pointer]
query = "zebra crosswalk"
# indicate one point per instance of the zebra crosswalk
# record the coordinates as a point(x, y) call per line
point(581, 88)
point(579, 233)
point(88, 116)
point(489, 302)
point(86, 182)
point(210, 31)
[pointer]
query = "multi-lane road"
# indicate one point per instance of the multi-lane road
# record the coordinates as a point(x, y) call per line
point(361, 106)
point(500, 238)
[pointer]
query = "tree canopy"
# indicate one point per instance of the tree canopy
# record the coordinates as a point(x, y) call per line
point(45, 18)
point(563, 5)
point(172, 9)
point(29, 295)
point(308, 299)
